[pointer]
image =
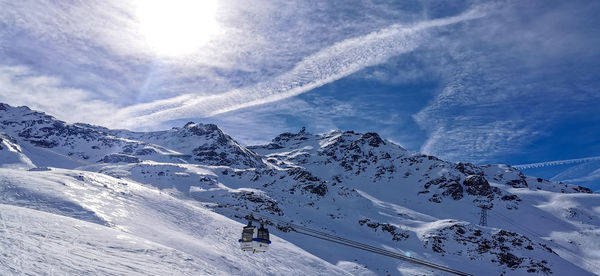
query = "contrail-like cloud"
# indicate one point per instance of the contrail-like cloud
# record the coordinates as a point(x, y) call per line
point(328, 65)
point(556, 163)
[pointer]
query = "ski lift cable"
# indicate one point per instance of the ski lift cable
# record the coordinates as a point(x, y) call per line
point(347, 242)
point(362, 246)
point(296, 227)
point(390, 254)
point(343, 241)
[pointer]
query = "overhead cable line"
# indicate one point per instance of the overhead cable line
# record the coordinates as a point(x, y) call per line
point(339, 240)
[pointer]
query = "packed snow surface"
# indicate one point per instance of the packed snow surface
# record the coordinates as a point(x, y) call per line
point(76, 222)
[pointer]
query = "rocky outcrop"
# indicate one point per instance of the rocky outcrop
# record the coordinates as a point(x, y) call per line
point(449, 187)
point(508, 175)
point(508, 249)
point(396, 233)
point(477, 185)
point(119, 158)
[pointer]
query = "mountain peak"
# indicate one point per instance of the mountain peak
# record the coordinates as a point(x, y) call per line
point(5, 106)
point(189, 124)
point(201, 129)
point(21, 113)
point(373, 139)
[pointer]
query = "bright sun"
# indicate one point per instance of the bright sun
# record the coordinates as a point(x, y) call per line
point(177, 27)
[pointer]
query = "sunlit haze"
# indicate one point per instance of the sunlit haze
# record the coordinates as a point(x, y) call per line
point(176, 27)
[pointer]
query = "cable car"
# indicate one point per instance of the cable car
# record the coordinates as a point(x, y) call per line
point(255, 240)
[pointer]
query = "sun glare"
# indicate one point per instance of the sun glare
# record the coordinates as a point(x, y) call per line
point(177, 27)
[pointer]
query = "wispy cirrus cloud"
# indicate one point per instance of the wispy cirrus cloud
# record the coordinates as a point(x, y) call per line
point(586, 173)
point(294, 47)
point(21, 85)
point(325, 66)
point(557, 162)
point(505, 82)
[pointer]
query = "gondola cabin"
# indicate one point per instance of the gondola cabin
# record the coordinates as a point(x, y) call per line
point(255, 240)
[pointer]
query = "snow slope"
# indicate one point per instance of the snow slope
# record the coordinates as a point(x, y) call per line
point(11, 155)
point(43, 243)
point(118, 227)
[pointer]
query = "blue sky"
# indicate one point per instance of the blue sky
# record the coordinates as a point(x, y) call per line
point(481, 81)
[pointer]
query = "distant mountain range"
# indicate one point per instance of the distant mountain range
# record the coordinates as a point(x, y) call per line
point(161, 190)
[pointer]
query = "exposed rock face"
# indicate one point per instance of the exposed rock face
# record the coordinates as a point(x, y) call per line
point(372, 139)
point(468, 169)
point(508, 249)
point(518, 183)
point(477, 185)
point(119, 158)
point(453, 189)
point(509, 176)
point(320, 189)
point(581, 189)
point(449, 187)
point(396, 233)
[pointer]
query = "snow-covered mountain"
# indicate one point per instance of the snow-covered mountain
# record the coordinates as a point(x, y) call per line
point(161, 192)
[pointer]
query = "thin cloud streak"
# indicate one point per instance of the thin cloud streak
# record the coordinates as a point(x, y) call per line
point(507, 81)
point(328, 65)
point(20, 85)
point(556, 163)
